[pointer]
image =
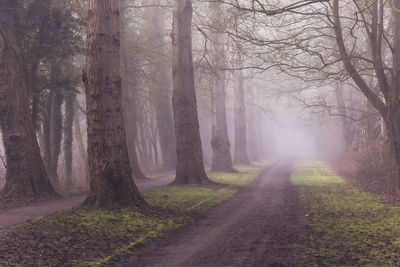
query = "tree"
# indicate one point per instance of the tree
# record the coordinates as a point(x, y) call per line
point(389, 83)
point(345, 121)
point(190, 167)
point(221, 156)
point(111, 182)
point(161, 90)
point(26, 174)
point(68, 135)
point(129, 71)
point(241, 155)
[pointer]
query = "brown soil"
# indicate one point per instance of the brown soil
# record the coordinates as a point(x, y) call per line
point(13, 216)
point(260, 226)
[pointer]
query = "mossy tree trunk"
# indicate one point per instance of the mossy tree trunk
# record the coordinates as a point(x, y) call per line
point(26, 174)
point(190, 166)
point(111, 182)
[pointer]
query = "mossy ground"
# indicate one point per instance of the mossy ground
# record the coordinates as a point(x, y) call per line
point(345, 226)
point(87, 237)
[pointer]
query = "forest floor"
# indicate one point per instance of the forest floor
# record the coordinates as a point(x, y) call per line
point(300, 215)
point(260, 226)
point(18, 215)
point(98, 237)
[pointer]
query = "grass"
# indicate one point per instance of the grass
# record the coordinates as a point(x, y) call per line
point(345, 226)
point(96, 237)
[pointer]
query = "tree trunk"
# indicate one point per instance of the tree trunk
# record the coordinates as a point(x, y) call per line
point(56, 134)
point(81, 148)
point(26, 174)
point(68, 136)
point(190, 167)
point(393, 103)
point(221, 148)
point(162, 96)
point(129, 87)
point(341, 107)
point(111, 182)
point(241, 154)
point(46, 130)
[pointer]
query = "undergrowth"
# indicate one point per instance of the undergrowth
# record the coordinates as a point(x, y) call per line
point(96, 237)
point(345, 226)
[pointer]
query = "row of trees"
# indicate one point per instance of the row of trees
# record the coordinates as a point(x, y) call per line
point(350, 48)
point(40, 98)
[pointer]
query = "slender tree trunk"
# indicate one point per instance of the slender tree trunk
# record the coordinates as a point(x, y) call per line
point(341, 106)
point(255, 142)
point(81, 148)
point(129, 85)
point(162, 96)
point(190, 167)
point(26, 174)
point(221, 148)
point(68, 136)
point(241, 154)
point(46, 130)
point(56, 134)
point(131, 139)
point(111, 182)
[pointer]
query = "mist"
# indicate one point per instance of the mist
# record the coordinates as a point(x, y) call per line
point(199, 133)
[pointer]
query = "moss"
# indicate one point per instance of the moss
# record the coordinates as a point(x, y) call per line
point(96, 237)
point(346, 227)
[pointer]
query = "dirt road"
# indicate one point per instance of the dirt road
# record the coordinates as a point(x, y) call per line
point(259, 226)
point(13, 216)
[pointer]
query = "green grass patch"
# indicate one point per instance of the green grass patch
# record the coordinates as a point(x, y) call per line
point(96, 237)
point(345, 226)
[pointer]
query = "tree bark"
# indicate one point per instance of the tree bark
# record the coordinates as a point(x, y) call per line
point(26, 174)
point(393, 103)
point(111, 182)
point(221, 148)
point(241, 155)
point(190, 167)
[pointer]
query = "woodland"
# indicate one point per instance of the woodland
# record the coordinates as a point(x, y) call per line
point(200, 133)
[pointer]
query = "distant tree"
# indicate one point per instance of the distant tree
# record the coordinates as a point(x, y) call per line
point(68, 134)
point(241, 155)
point(190, 167)
point(161, 88)
point(221, 156)
point(26, 174)
point(111, 181)
point(129, 73)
